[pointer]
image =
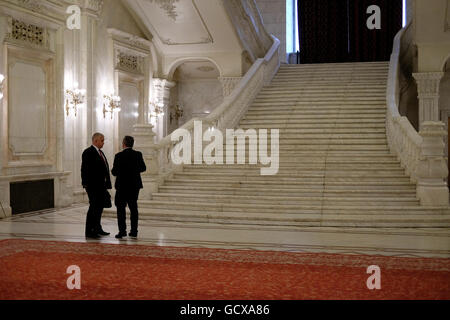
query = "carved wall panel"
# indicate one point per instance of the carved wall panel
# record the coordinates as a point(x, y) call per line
point(128, 116)
point(27, 108)
point(27, 34)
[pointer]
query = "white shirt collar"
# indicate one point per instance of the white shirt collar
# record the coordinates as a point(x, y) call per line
point(96, 148)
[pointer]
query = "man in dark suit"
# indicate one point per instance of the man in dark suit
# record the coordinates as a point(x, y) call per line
point(96, 180)
point(127, 168)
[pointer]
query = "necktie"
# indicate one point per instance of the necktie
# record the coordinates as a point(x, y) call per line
point(101, 155)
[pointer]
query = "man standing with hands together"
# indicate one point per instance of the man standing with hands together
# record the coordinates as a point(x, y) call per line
point(96, 180)
point(127, 168)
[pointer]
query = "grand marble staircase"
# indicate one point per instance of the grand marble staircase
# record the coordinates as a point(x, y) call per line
point(335, 165)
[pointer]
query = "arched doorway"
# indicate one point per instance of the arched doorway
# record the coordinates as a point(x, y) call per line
point(197, 92)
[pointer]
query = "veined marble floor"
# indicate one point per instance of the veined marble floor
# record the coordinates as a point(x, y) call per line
point(68, 225)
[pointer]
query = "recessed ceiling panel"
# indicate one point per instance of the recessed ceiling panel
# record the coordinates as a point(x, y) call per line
point(176, 22)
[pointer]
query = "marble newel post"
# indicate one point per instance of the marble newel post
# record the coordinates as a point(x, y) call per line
point(144, 141)
point(161, 93)
point(432, 169)
point(428, 89)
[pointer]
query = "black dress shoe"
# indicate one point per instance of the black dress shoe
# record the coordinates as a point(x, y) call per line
point(121, 235)
point(103, 233)
point(133, 234)
point(92, 235)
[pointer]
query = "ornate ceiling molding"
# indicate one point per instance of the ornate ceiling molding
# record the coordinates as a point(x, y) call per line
point(168, 6)
point(205, 38)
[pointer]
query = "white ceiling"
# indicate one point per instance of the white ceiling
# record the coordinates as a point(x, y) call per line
point(187, 26)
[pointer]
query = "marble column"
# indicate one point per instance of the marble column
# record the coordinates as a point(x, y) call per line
point(432, 169)
point(428, 89)
point(161, 94)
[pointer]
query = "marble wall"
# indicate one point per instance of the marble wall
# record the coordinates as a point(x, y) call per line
point(198, 97)
point(444, 103)
point(128, 116)
point(274, 17)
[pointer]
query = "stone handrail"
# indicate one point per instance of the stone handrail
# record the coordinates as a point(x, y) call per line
point(231, 110)
point(404, 141)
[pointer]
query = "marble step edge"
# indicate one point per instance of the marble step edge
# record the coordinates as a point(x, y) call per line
point(268, 221)
point(328, 171)
point(301, 216)
point(296, 198)
point(321, 174)
point(380, 209)
point(207, 190)
point(250, 209)
point(296, 183)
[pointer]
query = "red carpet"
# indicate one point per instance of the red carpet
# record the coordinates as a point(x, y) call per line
point(37, 270)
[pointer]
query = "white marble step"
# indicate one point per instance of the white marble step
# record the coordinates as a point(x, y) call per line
point(311, 115)
point(287, 168)
point(329, 106)
point(331, 176)
point(320, 104)
point(297, 184)
point(243, 208)
point(322, 120)
point(335, 165)
point(324, 126)
point(333, 136)
point(276, 201)
point(311, 220)
point(256, 209)
point(295, 84)
point(325, 86)
point(360, 90)
point(331, 77)
point(347, 192)
point(331, 131)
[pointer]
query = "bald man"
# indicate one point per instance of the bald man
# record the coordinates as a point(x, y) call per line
point(96, 180)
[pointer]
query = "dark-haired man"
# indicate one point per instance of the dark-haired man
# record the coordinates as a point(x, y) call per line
point(127, 168)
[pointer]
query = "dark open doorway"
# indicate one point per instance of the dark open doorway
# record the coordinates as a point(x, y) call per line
point(336, 30)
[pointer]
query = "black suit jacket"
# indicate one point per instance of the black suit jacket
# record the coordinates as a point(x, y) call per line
point(94, 171)
point(128, 165)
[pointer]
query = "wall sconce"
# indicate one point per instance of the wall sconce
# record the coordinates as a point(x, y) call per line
point(111, 103)
point(157, 111)
point(73, 99)
point(2, 77)
point(177, 114)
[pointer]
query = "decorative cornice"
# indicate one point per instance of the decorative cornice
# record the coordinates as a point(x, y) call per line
point(33, 5)
point(428, 83)
point(95, 6)
point(130, 40)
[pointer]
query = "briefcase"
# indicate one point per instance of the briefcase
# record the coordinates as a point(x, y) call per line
point(107, 203)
